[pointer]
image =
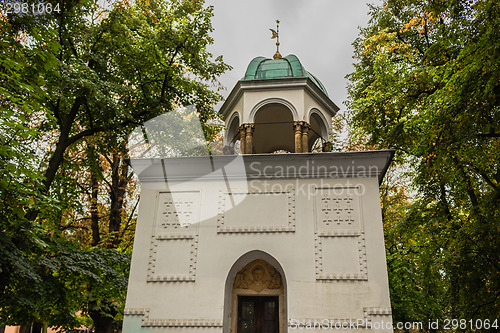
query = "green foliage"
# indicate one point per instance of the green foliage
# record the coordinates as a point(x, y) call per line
point(73, 86)
point(427, 84)
point(21, 240)
point(62, 280)
point(97, 276)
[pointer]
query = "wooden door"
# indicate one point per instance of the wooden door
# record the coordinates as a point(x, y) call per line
point(258, 314)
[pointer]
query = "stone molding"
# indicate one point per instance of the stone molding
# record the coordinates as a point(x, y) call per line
point(148, 322)
point(304, 84)
point(368, 312)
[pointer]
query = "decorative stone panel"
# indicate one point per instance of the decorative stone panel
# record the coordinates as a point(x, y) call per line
point(341, 256)
point(337, 208)
point(173, 258)
point(276, 208)
point(178, 211)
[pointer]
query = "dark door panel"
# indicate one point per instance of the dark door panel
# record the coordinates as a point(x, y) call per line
point(258, 314)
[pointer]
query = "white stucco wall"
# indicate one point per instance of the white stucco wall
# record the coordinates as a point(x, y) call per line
point(335, 271)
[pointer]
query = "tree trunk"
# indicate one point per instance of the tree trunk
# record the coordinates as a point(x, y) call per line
point(25, 329)
point(37, 327)
point(117, 195)
point(102, 322)
point(94, 212)
point(58, 155)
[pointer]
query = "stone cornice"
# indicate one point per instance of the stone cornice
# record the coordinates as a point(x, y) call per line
point(363, 164)
point(277, 84)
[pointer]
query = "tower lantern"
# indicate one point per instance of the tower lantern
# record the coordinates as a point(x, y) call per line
point(277, 106)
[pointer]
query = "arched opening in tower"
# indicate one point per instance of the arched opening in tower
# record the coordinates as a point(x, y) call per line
point(273, 130)
point(318, 132)
point(233, 138)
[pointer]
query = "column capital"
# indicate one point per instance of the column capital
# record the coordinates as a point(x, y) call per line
point(246, 138)
point(249, 126)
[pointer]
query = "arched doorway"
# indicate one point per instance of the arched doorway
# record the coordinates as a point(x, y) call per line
point(255, 299)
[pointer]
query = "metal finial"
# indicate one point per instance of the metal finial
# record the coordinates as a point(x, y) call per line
point(276, 35)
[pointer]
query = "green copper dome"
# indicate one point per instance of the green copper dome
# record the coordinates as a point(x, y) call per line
point(261, 68)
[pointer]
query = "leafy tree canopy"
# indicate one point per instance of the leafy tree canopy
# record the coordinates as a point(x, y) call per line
point(74, 83)
point(426, 83)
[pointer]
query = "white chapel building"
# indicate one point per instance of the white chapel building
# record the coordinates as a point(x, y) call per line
point(257, 241)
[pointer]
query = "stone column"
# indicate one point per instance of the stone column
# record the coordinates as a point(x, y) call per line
point(243, 139)
point(305, 137)
point(249, 138)
point(298, 136)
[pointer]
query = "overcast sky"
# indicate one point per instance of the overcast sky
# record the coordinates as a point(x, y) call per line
point(318, 32)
